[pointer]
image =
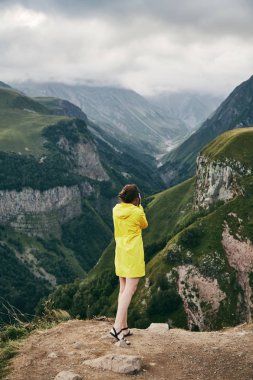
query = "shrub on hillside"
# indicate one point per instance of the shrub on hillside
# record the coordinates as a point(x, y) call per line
point(191, 237)
point(153, 249)
point(164, 302)
point(161, 281)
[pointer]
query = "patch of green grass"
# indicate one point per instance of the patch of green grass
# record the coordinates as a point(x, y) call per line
point(20, 131)
point(7, 352)
point(22, 120)
point(12, 332)
point(165, 211)
point(236, 144)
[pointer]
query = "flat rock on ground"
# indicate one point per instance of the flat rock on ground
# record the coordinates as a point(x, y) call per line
point(67, 375)
point(174, 354)
point(117, 363)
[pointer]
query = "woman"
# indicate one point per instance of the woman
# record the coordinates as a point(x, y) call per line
point(129, 219)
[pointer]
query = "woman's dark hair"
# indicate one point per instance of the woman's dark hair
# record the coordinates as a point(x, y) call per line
point(129, 193)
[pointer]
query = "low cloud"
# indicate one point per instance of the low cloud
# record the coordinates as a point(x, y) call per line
point(145, 45)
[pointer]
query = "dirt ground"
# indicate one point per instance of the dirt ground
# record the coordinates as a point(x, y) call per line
point(172, 355)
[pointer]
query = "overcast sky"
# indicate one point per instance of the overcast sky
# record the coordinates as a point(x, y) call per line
point(147, 45)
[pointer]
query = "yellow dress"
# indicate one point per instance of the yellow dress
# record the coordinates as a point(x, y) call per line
point(129, 220)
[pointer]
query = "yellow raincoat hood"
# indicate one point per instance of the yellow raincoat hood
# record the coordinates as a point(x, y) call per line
point(123, 210)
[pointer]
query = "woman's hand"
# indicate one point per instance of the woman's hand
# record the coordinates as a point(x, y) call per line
point(137, 201)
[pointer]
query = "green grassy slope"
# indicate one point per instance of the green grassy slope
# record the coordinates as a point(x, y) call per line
point(178, 236)
point(22, 120)
point(236, 144)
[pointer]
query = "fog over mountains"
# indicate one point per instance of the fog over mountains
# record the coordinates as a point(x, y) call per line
point(154, 124)
point(192, 108)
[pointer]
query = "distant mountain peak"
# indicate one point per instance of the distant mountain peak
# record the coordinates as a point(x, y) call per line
point(4, 85)
point(191, 107)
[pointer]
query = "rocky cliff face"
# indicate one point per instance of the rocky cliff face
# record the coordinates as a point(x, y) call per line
point(39, 212)
point(239, 253)
point(85, 157)
point(201, 296)
point(217, 180)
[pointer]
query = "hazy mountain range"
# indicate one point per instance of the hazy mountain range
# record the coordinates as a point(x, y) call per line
point(192, 108)
point(153, 124)
point(123, 113)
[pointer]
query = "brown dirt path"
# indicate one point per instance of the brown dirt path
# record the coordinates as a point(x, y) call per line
point(175, 354)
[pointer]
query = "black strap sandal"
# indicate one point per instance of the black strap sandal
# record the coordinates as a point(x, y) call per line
point(129, 332)
point(115, 335)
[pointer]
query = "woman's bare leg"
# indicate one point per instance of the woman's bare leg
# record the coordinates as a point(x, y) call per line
point(122, 282)
point(124, 301)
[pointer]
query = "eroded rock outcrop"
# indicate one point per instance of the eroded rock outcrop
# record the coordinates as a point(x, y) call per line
point(29, 259)
point(240, 257)
point(217, 180)
point(85, 157)
point(201, 296)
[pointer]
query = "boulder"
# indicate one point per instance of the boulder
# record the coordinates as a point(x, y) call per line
point(128, 364)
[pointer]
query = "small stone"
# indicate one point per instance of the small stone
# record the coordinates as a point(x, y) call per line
point(117, 363)
point(158, 327)
point(121, 343)
point(67, 375)
point(78, 345)
point(52, 355)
